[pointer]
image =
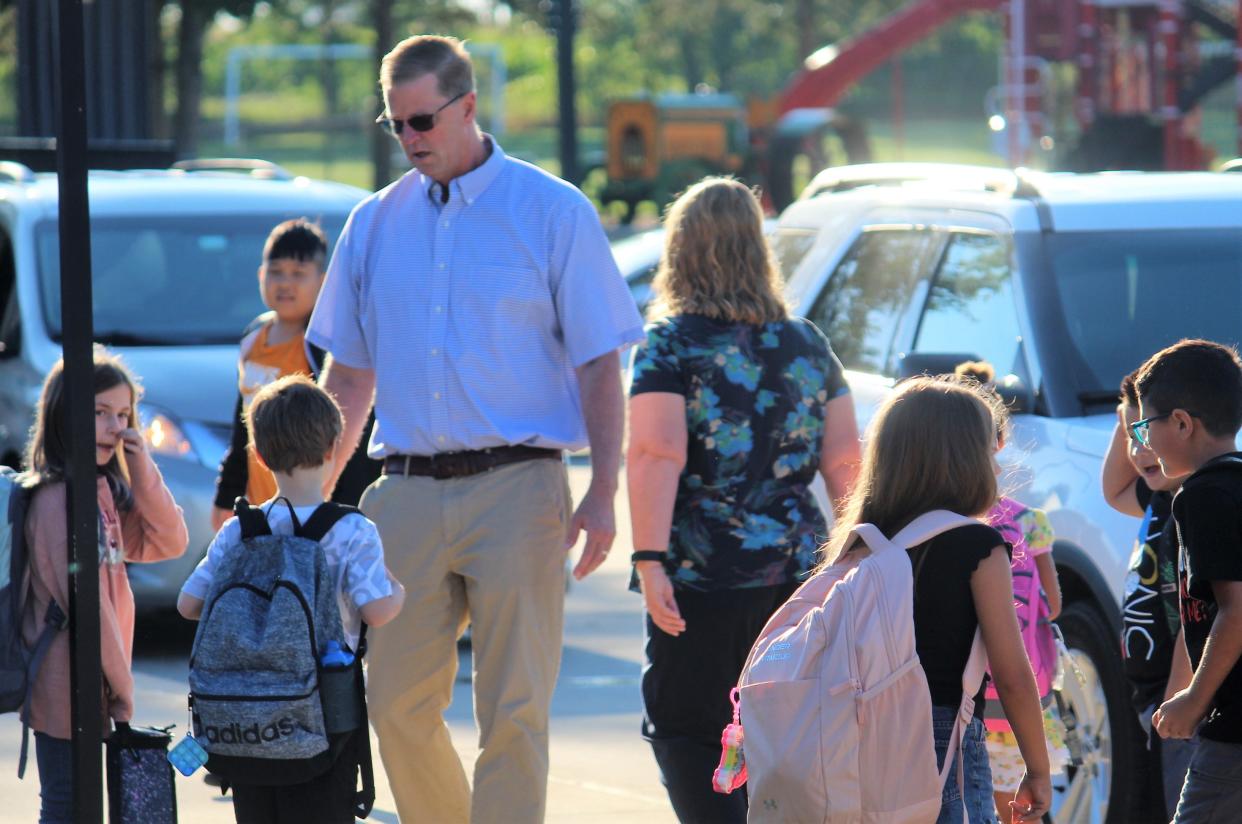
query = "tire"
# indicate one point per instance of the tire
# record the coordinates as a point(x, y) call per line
point(1102, 790)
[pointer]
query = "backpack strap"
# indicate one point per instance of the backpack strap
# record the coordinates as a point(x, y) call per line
point(364, 798)
point(54, 620)
point(251, 519)
point(920, 530)
point(322, 520)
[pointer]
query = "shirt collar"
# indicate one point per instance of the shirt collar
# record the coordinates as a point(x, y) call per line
point(474, 182)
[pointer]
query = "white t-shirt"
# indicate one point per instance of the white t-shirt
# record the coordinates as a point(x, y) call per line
point(352, 548)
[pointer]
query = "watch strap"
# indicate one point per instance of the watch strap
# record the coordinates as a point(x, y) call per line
point(648, 555)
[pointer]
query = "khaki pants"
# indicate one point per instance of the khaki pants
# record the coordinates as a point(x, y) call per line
point(488, 548)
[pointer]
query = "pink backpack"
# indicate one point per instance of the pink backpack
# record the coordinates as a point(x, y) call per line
point(1031, 606)
point(835, 705)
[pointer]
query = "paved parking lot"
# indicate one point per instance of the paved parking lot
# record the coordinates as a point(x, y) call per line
point(601, 771)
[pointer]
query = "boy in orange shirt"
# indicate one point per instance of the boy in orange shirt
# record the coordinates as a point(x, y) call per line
point(273, 346)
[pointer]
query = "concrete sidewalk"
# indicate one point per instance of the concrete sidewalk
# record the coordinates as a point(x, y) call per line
point(601, 770)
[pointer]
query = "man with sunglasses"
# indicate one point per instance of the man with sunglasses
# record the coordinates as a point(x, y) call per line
point(1190, 403)
point(478, 300)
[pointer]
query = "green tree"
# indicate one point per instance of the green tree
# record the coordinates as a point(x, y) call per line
point(196, 16)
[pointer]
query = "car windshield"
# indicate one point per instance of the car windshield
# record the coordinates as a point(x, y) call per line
point(1126, 295)
point(161, 281)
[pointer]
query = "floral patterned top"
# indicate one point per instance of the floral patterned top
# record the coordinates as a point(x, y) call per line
point(745, 515)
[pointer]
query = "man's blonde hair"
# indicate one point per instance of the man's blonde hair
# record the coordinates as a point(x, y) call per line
point(293, 424)
point(930, 446)
point(716, 260)
point(444, 57)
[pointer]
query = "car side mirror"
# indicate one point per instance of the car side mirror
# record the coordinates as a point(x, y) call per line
point(1016, 395)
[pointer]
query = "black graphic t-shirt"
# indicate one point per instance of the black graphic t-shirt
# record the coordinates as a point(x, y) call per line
point(1149, 608)
point(745, 514)
point(1208, 511)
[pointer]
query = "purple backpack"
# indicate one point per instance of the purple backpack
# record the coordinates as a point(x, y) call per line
point(1021, 526)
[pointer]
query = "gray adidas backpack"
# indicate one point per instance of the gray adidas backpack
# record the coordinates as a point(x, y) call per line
point(254, 669)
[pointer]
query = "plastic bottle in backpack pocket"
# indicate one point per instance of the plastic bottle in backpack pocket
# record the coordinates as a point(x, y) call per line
point(338, 689)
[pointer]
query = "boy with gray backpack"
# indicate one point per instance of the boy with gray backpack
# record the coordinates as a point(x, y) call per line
point(283, 598)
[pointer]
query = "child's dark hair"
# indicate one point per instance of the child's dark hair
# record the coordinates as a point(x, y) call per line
point(1200, 376)
point(47, 452)
point(980, 376)
point(297, 240)
point(293, 424)
point(1129, 395)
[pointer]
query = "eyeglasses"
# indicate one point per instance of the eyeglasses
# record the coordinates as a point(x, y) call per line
point(417, 122)
point(1141, 430)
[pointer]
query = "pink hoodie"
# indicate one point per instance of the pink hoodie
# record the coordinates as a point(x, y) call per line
point(152, 530)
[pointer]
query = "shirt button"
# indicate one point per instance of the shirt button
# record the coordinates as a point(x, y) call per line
point(439, 309)
point(440, 266)
point(445, 224)
point(436, 396)
point(440, 439)
point(435, 351)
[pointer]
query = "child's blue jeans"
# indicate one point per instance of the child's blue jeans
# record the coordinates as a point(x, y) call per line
point(1213, 790)
point(976, 792)
point(55, 759)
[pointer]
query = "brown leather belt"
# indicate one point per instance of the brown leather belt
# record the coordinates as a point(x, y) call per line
point(463, 464)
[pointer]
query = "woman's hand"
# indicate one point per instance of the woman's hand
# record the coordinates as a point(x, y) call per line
point(1033, 798)
point(658, 597)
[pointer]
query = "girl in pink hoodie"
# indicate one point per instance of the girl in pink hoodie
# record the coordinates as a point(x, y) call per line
point(138, 522)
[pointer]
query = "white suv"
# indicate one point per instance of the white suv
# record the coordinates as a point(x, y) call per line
point(1064, 283)
point(174, 259)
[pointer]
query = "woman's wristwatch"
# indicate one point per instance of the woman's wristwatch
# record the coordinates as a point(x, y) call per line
point(648, 555)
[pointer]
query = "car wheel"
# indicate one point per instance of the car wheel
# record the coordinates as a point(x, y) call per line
point(1098, 791)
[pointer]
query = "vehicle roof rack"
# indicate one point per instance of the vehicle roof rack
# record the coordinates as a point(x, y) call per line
point(1025, 188)
point(255, 167)
point(13, 172)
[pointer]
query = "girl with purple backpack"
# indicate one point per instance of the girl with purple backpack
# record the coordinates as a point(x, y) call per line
point(1037, 601)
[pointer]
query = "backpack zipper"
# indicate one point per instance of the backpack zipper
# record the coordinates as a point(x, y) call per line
point(310, 621)
point(206, 697)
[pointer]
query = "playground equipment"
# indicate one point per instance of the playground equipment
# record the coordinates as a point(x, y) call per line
point(1142, 69)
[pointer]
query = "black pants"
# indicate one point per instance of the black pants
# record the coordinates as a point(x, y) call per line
point(686, 685)
point(325, 799)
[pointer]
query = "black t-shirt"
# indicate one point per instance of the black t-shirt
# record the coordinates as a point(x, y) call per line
point(1208, 511)
point(944, 608)
point(1149, 608)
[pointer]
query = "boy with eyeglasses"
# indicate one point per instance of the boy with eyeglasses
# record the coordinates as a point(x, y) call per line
point(1190, 400)
point(1151, 647)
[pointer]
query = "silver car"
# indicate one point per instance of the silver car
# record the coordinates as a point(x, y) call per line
point(174, 256)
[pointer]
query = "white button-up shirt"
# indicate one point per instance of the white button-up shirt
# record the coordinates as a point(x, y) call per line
point(474, 313)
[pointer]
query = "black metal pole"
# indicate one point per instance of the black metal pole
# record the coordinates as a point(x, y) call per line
point(78, 329)
point(566, 87)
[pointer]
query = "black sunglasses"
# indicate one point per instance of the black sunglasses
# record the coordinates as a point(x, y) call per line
point(417, 122)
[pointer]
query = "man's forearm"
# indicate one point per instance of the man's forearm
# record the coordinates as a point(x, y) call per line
point(603, 408)
point(354, 390)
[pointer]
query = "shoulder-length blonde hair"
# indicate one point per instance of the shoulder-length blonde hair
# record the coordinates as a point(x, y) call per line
point(930, 446)
point(716, 261)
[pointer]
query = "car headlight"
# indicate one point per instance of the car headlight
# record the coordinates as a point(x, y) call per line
point(168, 435)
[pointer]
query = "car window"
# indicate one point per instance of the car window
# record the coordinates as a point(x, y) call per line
point(970, 306)
point(10, 315)
point(865, 299)
point(200, 271)
point(790, 247)
point(1126, 294)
